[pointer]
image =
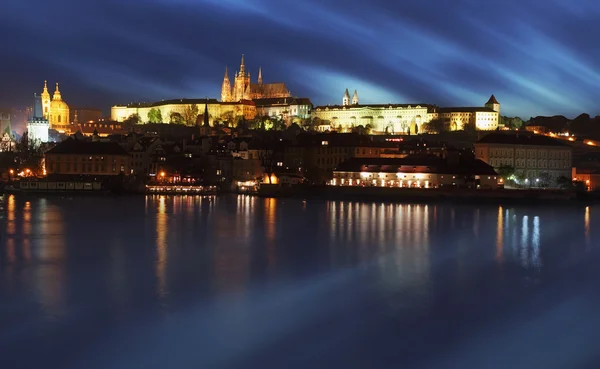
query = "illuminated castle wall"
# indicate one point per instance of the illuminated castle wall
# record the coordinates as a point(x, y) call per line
point(403, 118)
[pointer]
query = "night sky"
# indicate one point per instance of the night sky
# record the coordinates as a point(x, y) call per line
point(539, 57)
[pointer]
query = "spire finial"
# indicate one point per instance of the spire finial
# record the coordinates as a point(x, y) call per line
point(260, 75)
point(226, 72)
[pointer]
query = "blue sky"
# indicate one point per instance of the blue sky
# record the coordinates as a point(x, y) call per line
point(539, 57)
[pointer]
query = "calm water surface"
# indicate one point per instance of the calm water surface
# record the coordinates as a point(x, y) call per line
point(241, 282)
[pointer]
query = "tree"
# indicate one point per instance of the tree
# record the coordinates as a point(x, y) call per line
point(267, 161)
point(361, 130)
point(506, 172)
point(544, 179)
point(176, 118)
point(29, 154)
point(368, 128)
point(564, 182)
point(190, 114)
point(416, 129)
point(131, 121)
point(278, 124)
point(469, 127)
point(155, 116)
point(436, 126)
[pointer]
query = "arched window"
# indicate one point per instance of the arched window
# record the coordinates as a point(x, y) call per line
point(59, 119)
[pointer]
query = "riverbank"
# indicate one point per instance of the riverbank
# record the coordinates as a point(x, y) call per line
point(415, 195)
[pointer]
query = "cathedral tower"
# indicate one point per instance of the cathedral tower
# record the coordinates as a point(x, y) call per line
point(260, 75)
point(241, 84)
point(346, 99)
point(226, 88)
point(355, 98)
point(45, 98)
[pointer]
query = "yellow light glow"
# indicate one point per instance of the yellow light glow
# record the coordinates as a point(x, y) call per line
point(162, 174)
point(12, 171)
point(590, 143)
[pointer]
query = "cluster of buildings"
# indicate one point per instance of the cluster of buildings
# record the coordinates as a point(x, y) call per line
point(203, 152)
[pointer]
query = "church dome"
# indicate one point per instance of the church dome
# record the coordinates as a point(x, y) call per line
point(56, 105)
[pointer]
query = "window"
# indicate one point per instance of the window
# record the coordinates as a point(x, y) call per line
point(59, 119)
point(219, 172)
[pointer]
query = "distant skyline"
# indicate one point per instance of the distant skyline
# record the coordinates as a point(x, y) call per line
point(537, 57)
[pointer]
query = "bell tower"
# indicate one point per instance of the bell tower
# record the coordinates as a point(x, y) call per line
point(45, 97)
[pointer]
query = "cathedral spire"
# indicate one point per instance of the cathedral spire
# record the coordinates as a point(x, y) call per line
point(260, 75)
point(45, 91)
point(226, 87)
point(355, 98)
point(242, 66)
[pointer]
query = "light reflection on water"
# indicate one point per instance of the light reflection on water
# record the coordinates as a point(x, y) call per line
point(163, 253)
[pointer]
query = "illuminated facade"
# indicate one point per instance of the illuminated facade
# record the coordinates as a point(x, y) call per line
point(414, 172)
point(216, 110)
point(532, 156)
point(403, 118)
point(79, 157)
point(37, 124)
point(286, 108)
point(56, 111)
point(244, 89)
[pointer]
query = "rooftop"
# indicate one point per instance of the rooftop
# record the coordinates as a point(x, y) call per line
point(509, 138)
point(417, 163)
point(75, 146)
point(375, 106)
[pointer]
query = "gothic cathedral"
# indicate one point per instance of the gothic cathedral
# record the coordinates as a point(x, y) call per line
point(243, 89)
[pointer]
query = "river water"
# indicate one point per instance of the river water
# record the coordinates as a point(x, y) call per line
point(243, 282)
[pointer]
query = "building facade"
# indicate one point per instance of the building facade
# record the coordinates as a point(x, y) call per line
point(56, 111)
point(37, 125)
point(74, 157)
point(414, 172)
point(402, 118)
point(5, 126)
point(533, 157)
point(286, 108)
point(216, 110)
point(244, 89)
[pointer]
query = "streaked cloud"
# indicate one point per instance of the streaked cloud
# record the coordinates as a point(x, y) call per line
point(537, 57)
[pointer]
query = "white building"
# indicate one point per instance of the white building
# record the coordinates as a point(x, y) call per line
point(37, 129)
point(403, 118)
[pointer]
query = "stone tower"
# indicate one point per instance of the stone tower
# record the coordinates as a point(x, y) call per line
point(45, 97)
point(355, 98)
point(346, 99)
point(226, 88)
point(493, 104)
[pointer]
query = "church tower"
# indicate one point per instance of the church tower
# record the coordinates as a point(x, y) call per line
point(493, 104)
point(355, 98)
point(260, 75)
point(45, 97)
point(346, 99)
point(226, 88)
point(241, 84)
